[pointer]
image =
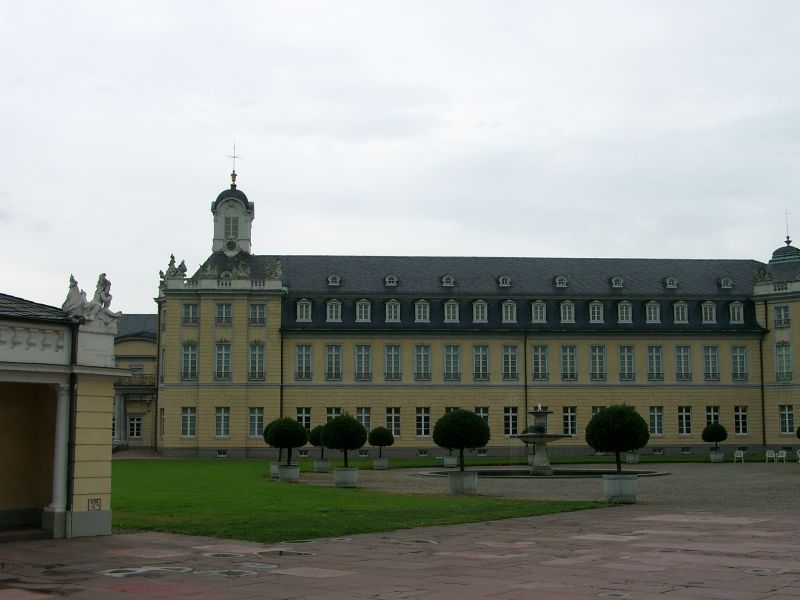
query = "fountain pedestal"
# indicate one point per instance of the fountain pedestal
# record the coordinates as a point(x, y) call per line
point(540, 460)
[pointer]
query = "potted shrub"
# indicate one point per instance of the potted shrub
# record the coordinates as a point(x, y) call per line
point(287, 433)
point(344, 433)
point(273, 465)
point(382, 438)
point(618, 428)
point(321, 464)
point(457, 430)
point(714, 433)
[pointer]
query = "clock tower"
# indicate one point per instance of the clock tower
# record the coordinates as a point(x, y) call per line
point(233, 221)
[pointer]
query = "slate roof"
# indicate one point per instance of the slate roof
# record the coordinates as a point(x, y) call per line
point(19, 309)
point(137, 326)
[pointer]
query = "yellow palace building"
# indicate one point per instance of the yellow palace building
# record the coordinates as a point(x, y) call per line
point(397, 341)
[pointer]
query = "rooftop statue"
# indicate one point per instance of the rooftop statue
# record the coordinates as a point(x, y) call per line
point(98, 308)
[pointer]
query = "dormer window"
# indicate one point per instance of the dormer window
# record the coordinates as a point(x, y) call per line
point(451, 311)
point(653, 312)
point(567, 312)
point(736, 312)
point(334, 279)
point(504, 281)
point(448, 281)
point(390, 281)
point(509, 311)
point(680, 312)
point(560, 281)
point(333, 312)
point(538, 312)
point(363, 311)
point(671, 283)
point(624, 312)
point(392, 311)
point(304, 311)
point(617, 282)
point(726, 283)
point(479, 311)
point(422, 311)
point(709, 312)
point(596, 312)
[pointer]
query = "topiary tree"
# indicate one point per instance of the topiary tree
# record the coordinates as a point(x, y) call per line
point(315, 439)
point(461, 429)
point(344, 433)
point(380, 437)
point(617, 428)
point(714, 433)
point(266, 430)
point(286, 433)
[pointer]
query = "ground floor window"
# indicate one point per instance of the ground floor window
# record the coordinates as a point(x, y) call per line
point(222, 421)
point(712, 414)
point(188, 421)
point(740, 420)
point(134, 426)
point(656, 420)
point(570, 420)
point(363, 416)
point(510, 420)
point(684, 420)
point(786, 417)
point(256, 421)
point(393, 420)
point(423, 421)
point(303, 415)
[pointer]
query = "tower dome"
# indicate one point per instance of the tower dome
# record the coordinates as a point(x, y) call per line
point(787, 253)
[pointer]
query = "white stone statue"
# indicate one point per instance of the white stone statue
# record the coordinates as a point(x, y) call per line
point(77, 305)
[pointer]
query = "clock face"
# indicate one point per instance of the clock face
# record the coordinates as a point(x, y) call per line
point(230, 245)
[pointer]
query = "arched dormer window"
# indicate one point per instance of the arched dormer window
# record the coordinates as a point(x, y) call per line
point(671, 283)
point(653, 312)
point(392, 311)
point(334, 280)
point(596, 312)
point(504, 281)
point(567, 311)
point(624, 312)
point(736, 313)
point(448, 281)
point(451, 311)
point(333, 312)
point(480, 311)
point(617, 282)
point(709, 312)
point(538, 312)
point(680, 312)
point(363, 311)
point(560, 281)
point(390, 281)
point(422, 311)
point(726, 283)
point(509, 311)
point(304, 311)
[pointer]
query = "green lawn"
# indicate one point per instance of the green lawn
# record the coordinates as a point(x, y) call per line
point(235, 499)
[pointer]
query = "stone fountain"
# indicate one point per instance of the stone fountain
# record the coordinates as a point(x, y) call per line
point(539, 437)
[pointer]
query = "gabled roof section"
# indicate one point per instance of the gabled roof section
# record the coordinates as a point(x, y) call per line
point(137, 326)
point(19, 309)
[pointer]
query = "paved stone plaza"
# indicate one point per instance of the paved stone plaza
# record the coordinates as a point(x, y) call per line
point(703, 531)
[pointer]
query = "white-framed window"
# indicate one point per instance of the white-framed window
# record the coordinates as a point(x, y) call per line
point(392, 311)
point(480, 312)
point(504, 281)
point(391, 362)
point(331, 412)
point(653, 312)
point(483, 413)
point(231, 223)
point(334, 280)
point(680, 312)
point(256, 314)
point(363, 362)
point(134, 426)
point(423, 421)
point(451, 311)
point(393, 420)
point(683, 363)
point(670, 283)
point(736, 312)
point(560, 281)
point(655, 363)
point(711, 363)
point(510, 420)
point(422, 311)
point(333, 311)
point(726, 283)
point(656, 420)
point(303, 416)
point(422, 362)
point(189, 361)
point(597, 360)
point(223, 361)
point(740, 420)
point(624, 312)
point(739, 363)
point(452, 362)
point(712, 414)
point(364, 416)
point(617, 282)
point(480, 362)
point(448, 281)
point(786, 418)
point(781, 316)
point(510, 369)
point(223, 314)
point(363, 311)
point(709, 310)
point(255, 422)
point(255, 371)
point(302, 371)
point(627, 369)
point(684, 420)
point(509, 311)
point(390, 281)
point(222, 421)
point(333, 362)
point(569, 420)
point(783, 361)
point(190, 314)
point(567, 311)
point(540, 369)
point(188, 421)
point(304, 311)
point(569, 363)
point(538, 312)
point(596, 312)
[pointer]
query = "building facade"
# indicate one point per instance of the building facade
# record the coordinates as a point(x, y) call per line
point(397, 341)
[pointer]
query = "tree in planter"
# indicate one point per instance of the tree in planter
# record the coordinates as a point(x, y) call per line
point(617, 428)
point(266, 441)
point(344, 433)
point(461, 429)
point(714, 433)
point(315, 439)
point(380, 437)
point(286, 433)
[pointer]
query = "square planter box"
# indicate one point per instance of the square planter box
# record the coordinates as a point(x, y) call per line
point(273, 469)
point(345, 477)
point(620, 488)
point(450, 462)
point(289, 473)
point(380, 464)
point(321, 465)
point(463, 482)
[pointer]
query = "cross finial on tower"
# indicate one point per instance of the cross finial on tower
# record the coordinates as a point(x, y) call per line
point(233, 157)
point(786, 213)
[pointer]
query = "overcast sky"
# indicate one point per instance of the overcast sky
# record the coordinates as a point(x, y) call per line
point(492, 128)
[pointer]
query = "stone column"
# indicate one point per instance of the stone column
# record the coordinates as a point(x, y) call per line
point(54, 516)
